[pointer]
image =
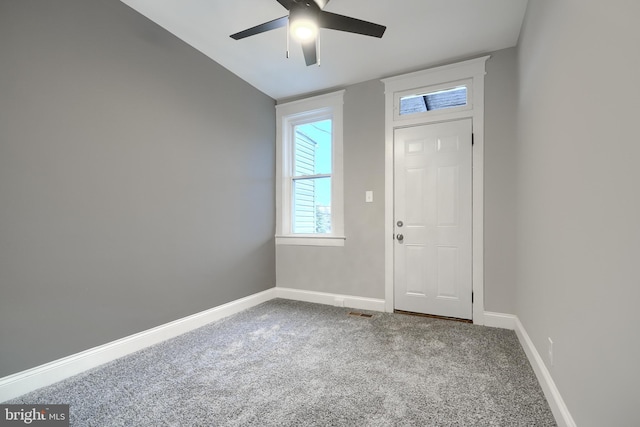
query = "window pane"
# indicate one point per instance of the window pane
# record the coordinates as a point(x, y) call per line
point(312, 148)
point(448, 98)
point(312, 205)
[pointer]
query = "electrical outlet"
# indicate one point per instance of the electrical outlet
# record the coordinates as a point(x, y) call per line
point(550, 351)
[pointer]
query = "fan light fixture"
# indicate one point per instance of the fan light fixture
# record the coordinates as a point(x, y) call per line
point(305, 19)
point(303, 29)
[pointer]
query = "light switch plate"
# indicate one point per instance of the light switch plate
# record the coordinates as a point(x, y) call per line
point(368, 196)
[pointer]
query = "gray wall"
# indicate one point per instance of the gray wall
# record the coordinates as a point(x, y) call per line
point(136, 179)
point(358, 267)
point(499, 182)
point(579, 203)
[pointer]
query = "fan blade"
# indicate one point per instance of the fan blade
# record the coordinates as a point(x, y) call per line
point(271, 25)
point(309, 50)
point(287, 4)
point(334, 21)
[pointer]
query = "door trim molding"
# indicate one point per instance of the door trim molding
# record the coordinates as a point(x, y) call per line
point(473, 69)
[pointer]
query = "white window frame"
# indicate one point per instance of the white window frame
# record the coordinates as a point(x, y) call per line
point(289, 115)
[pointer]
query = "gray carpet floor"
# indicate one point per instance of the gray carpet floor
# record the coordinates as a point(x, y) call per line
point(288, 363)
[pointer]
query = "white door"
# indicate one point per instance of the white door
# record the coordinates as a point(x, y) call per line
point(432, 196)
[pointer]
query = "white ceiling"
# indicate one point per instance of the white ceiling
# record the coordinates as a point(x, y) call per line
point(420, 33)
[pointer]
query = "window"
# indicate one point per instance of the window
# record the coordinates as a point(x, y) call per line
point(311, 178)
point(443, 98)
point(309, 200)
point(447, 98)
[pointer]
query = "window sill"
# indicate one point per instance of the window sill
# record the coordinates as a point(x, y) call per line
point(310, 240)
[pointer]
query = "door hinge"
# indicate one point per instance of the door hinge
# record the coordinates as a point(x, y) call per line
point(472, 139)
point(472, 297)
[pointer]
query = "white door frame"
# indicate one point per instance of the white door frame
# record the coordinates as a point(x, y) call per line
point(470, 73)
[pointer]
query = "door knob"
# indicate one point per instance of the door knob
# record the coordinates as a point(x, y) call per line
point(400, 237)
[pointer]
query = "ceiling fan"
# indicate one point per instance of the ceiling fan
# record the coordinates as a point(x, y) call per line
point(305, 18)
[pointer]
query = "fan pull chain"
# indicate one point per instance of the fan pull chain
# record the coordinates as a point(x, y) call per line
point(287, 39)
point(318, 47)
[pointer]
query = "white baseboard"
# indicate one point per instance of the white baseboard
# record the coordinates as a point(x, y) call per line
point(338, 300)
point(23, 382)
point(499, 320)
point(556, 403)
point(551, 392)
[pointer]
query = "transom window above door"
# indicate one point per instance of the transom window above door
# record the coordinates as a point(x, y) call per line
point(436, 100)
